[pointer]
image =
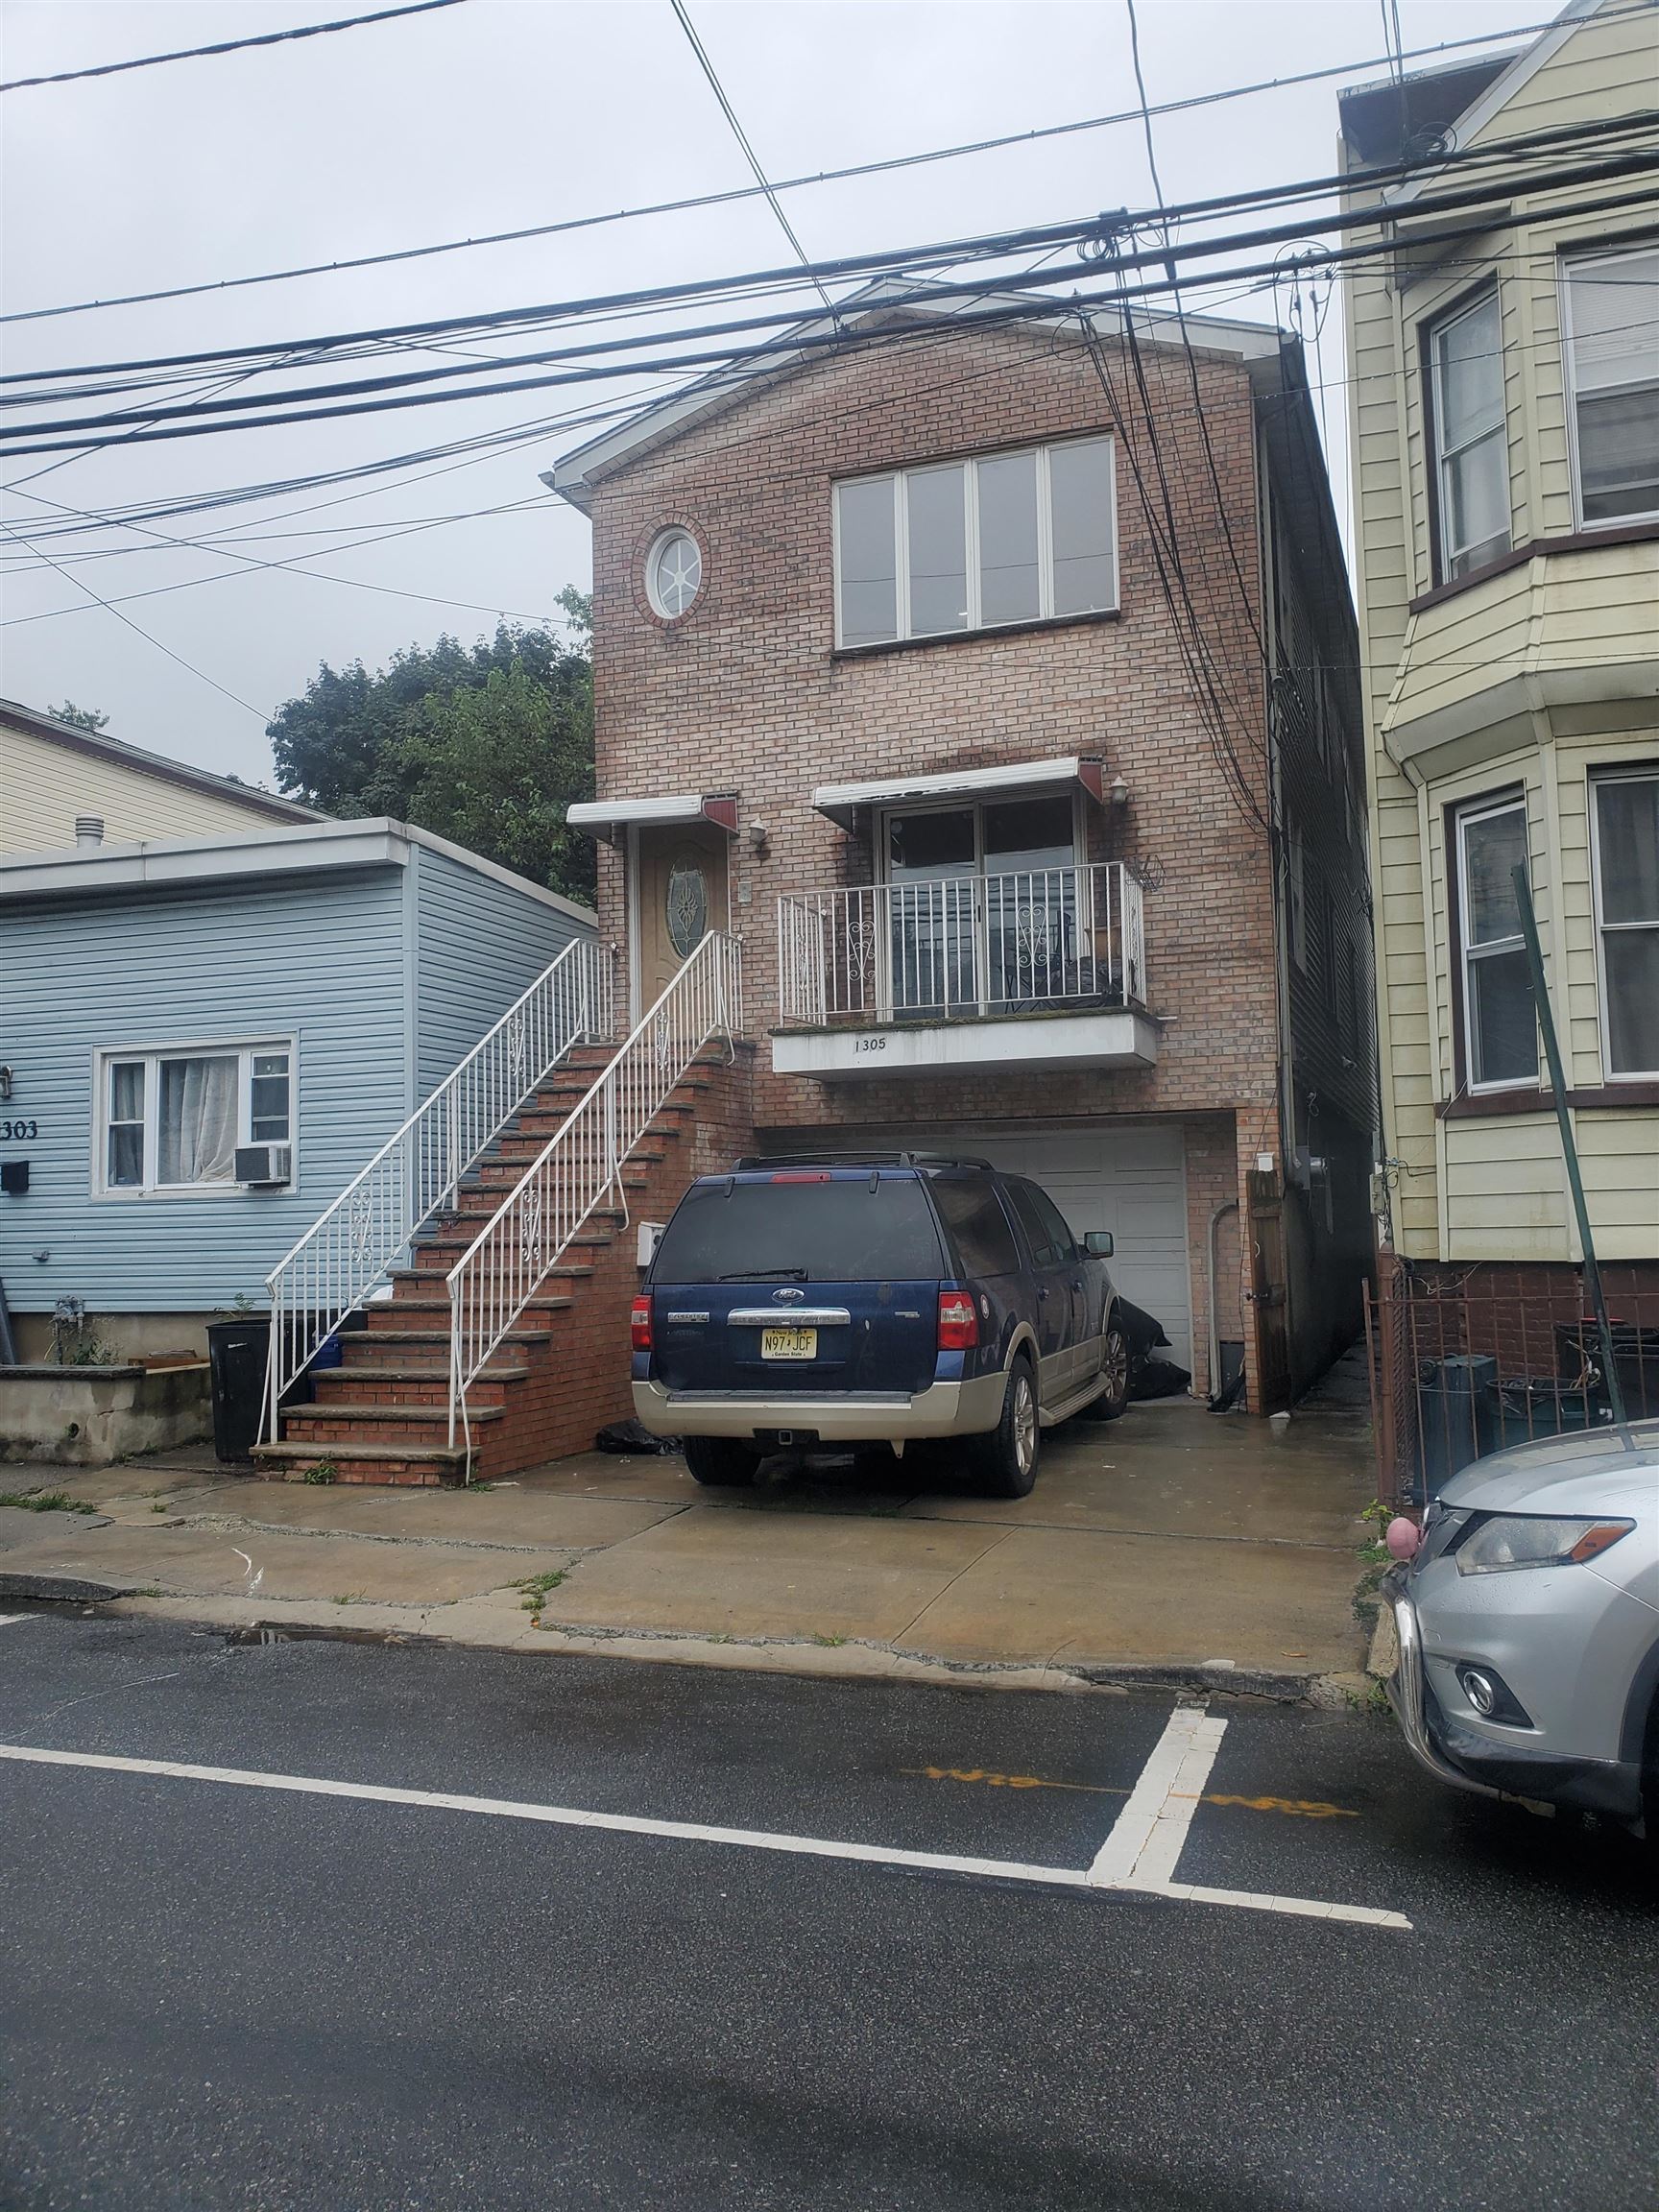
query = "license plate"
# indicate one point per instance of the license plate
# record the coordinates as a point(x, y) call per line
point(788, 1343)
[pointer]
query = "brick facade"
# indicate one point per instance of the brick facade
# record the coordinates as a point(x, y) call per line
point(746, 692)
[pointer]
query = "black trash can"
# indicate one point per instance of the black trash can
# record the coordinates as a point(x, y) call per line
point(1455, 1414)
point(237, 1355)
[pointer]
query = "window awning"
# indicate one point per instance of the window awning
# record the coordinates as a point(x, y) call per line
point(610, 819)
point(1017, 779)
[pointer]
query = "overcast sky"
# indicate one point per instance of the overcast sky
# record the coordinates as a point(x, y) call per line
point(489, 116)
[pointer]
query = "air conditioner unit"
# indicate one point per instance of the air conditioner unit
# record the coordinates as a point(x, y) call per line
point(264, 1166)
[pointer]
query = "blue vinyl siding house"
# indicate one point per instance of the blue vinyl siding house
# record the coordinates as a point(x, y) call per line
point(164, 1006)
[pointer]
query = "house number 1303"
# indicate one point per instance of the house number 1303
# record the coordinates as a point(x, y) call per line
point(869, 1044)
point(18, 1132)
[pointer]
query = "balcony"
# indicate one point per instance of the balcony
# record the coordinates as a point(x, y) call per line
point(1044, 968)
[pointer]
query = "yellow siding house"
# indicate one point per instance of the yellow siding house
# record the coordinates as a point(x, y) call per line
point(1504, 423)
point(53, 776)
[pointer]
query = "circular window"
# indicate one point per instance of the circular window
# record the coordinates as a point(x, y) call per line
point(687, 905)
point(673, 573)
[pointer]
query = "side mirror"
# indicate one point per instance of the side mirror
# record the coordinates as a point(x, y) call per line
point(1098, 1241)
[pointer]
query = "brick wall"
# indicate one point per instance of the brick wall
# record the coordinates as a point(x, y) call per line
point(747, 692)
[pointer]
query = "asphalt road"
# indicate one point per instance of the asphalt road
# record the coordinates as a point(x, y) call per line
point(219, 1995)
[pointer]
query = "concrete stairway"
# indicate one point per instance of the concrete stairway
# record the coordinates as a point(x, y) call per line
point(561, 1372)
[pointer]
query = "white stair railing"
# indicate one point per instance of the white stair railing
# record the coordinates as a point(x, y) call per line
point(347, 1251)
point(502, 1269)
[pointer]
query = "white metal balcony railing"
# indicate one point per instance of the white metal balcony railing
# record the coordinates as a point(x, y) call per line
point(962, 944)
point(347, 1252)
point(500, 1271)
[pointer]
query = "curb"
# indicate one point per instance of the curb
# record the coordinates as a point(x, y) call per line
point(66, 1589)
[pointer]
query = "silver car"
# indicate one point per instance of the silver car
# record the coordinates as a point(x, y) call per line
point(1527, 1625)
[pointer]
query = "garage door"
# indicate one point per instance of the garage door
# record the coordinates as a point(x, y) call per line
point(1128, 1177)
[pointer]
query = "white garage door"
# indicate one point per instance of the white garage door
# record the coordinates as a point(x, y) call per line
point(1128, 1177)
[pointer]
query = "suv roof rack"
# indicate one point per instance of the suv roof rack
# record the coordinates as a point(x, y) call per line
point(822, 1158)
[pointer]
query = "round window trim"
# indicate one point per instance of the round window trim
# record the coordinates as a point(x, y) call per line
point(673, 573)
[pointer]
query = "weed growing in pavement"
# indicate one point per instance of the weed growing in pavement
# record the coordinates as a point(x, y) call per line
point(537, 1586)
point(351, 1597)
point(45, 1501)
point(324, 1471)
point(829, 1643)
point(149, 1590)
point(160, 1505)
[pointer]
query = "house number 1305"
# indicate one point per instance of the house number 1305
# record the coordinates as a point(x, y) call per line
point(869, 1044)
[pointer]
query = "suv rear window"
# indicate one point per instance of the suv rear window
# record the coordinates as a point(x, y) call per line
point(974, 1214)
point(849, 1230)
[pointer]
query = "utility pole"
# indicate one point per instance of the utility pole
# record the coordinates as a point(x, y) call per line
point(1576, 1182)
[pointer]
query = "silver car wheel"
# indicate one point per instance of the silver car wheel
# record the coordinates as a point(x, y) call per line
point(1024, 1423)
point(1115, 1362)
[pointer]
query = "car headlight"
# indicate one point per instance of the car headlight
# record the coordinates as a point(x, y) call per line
point(1504, 1541)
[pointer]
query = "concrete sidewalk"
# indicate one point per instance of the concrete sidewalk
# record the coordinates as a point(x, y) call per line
point(1173, 1543)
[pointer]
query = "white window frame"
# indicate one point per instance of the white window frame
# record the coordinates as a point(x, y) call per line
point(969, 464)
point(1603, 929)
point(1569, 372)
point(243, 1049)
point(1442, 454)
point(1487, 811)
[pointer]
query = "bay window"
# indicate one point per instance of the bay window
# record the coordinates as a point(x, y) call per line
point(1624, 838)
point(1470, 438)
point(172, 1117)
point(1499, 1025)
point(1025, 537)
point(1610, 320)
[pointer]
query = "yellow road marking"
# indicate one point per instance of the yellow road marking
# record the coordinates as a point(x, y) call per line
point(1299, 1808)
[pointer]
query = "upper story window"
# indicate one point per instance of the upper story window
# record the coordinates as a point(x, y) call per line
point(1470, 438)
point(673, 574)
point(1499, 1026)
point(1610, 317)
point(973, 544)
point(171, 1121)
point(1624, 828)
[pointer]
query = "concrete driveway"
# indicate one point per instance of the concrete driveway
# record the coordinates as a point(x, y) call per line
point(1173, 1543)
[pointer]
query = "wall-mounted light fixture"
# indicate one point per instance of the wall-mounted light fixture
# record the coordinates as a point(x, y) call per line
point(5, 1085)
point(759, 843)
point(1117, 792)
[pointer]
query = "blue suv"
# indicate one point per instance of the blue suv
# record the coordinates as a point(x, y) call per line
point(888, 1299)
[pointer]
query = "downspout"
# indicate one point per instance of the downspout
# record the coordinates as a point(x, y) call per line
point(1227, 1206)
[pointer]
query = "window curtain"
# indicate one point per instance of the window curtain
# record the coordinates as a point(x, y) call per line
point(198, 1121)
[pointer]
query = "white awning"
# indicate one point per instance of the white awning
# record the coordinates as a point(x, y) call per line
point(610, 819)
point(1019, 779)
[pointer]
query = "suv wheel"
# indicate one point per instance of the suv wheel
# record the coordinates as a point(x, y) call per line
point(721, 1461)
point(1005, 1462)
point(1114, 1366)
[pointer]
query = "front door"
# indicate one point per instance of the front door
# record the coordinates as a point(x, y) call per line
point(681, 884)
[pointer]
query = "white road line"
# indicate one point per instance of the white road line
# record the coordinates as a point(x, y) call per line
point(1148, 1836)
point(694, 1832)
point(6, 1619)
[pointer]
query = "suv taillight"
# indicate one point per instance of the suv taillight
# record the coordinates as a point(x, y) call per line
point(640, 1322)
point(958, 1323)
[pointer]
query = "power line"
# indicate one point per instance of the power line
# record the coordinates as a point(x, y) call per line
point(743, 137)
point(228, 46)
point(80, 433)
point(965, 150)
point(189, 666)
point(982, 244)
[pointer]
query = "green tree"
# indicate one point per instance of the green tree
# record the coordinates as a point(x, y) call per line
point(487, 745)
point(80, 717)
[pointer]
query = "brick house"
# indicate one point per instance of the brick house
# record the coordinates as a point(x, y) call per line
point(993, 677)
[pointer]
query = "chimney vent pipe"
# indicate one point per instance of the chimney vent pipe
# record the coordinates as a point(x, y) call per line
point(88, 831)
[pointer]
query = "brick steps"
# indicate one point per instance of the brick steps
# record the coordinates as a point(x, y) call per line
point(561, 1372)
